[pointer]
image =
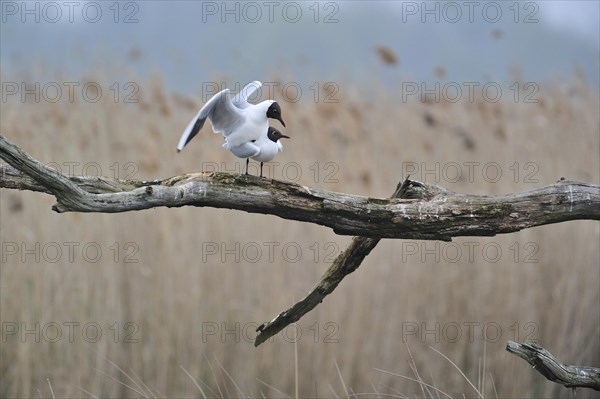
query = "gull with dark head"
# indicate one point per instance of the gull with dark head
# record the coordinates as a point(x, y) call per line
point(262, 150)
point(236, 119)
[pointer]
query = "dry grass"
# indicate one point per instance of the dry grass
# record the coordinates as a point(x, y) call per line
point(170, 293)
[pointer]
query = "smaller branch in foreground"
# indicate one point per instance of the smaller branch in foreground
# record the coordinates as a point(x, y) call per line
point(545, 363)
point(346, 262)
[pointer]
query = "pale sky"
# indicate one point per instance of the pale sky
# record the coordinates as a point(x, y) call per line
point(579, 17)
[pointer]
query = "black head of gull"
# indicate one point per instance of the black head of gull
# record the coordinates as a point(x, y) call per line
point(274, 112)
point(274, 134)
point(266, 147)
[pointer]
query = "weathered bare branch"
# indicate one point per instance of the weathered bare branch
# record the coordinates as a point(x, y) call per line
point(345, 263)
point(59, 185)
point(14, 179)
point(416, 210)
point(438, 214)
point(545, 363)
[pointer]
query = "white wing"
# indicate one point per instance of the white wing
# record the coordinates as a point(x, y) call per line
point(221, 112)
point(241, 99)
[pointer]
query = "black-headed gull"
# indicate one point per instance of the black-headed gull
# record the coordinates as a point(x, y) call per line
point(262, 150)
point(239, 121)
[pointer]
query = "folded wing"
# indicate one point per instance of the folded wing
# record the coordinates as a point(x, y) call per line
point(246, 150)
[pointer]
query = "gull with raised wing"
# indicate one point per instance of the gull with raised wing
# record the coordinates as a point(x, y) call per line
point(236, 119)
point(262, 150)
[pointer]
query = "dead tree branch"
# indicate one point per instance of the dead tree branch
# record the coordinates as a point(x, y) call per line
point(545, 363)
point(416, 210)
point(425, 212)
point(345, 263)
